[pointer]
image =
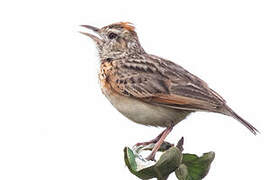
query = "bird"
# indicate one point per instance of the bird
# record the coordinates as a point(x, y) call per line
point(148, 89)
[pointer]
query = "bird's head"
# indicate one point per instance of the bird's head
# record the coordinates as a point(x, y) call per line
point(116, 40)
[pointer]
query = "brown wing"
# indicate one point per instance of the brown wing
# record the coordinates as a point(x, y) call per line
point(161, 82)
point(164, 83)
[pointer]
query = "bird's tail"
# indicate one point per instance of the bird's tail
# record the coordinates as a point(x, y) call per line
point(230, 112)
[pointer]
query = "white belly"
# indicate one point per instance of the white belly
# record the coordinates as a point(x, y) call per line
point(144, 113)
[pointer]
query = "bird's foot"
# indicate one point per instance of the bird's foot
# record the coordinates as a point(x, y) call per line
point(153, 141)
point(146, 143)
point(151, 157)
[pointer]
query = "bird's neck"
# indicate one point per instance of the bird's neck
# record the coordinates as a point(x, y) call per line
point(130, 52)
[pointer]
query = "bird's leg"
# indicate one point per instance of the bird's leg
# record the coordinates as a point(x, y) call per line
point(159, 143)
point(155, 140)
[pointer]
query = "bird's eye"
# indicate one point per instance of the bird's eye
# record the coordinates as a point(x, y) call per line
point(112, 35)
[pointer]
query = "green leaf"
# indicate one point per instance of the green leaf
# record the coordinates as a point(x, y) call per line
point(130, 159)
point(168, 162)
point(194, 167)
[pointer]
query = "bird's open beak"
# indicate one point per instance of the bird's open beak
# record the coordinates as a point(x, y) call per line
point(94, 29)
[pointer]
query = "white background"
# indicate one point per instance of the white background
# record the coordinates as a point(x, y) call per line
point(55, 124)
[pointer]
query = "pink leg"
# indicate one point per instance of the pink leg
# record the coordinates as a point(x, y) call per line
point(159, 143)
point(151, 141)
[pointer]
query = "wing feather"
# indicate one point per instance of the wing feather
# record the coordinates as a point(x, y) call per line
point(161, 82)
point(158, 81)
